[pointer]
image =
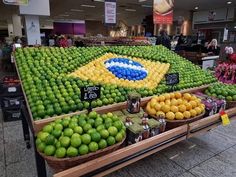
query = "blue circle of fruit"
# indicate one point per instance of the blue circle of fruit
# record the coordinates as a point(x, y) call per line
point(124, 68)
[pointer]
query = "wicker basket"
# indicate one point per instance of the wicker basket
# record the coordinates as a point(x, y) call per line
point(170, 124)
point(230, 104)
point(62, 164)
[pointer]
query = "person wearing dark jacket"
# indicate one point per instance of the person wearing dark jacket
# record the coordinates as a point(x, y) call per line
point(163, 39)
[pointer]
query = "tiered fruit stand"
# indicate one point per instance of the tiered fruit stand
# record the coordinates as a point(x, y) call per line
point(129, 154)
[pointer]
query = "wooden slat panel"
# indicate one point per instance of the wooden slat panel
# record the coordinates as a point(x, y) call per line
point(120, 154)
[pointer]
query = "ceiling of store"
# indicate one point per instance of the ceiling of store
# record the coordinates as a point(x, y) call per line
point(61, 9)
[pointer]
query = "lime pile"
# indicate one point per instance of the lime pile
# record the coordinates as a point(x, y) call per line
point(80, 135)
point(222, 91)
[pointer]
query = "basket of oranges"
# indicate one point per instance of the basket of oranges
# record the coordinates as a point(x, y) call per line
point(177, 108)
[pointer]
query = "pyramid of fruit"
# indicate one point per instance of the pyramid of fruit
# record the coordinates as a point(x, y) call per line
point(175, 106)
point(80, 135)
point(52, 76)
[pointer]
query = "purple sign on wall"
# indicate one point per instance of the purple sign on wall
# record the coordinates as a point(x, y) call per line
point(69, 28)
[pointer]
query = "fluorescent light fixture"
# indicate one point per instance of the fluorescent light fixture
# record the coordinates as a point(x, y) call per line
point(145, 5)
point(64, 15)
point(229, 2)
point(130, 10)
point(98, 0)
point(235, 27)
point(86, 5)
point(142, 0)
point(196, 8)
point(76, 10)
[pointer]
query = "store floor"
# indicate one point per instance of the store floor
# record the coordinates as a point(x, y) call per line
point(212, 154)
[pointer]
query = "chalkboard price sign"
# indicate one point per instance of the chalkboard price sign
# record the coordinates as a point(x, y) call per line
point(172, 79)
point(90, 93)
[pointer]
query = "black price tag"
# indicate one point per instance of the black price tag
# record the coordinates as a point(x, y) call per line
point(172, 79)
point(90, 93)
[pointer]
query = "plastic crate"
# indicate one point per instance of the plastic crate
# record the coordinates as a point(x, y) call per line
point(10, 89)
point(12, 102)
point(11, 115)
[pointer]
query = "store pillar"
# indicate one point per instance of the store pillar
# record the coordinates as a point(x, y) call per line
point(17, 27)
point(10, 28)
point(32, 29)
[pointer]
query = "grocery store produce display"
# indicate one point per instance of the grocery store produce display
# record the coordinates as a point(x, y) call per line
point(222, 91)
point(52, 86)
point(80, 135)
point(175, 106)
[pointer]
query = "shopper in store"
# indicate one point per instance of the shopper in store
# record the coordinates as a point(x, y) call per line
point(213, 48)
point(163, 39)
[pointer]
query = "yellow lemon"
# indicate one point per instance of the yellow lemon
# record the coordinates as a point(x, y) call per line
point(161, 98)
point(198, 110)
point(174, 102)
point(188, 106)
point(160, 114)
point(179, 116)
point(153, 103)
point(182, 108)
point(187, 114)
point(193, 112)
point(170, 116)
point(174, 109)
point(167, 96)
point(168, 102)
point(165, 108)
point(158, 107)
point(193, 103)
point(178, 95)
point(187, 96)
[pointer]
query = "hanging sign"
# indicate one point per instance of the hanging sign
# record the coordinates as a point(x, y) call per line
point(16, 2)
point(163, 11)
point(110, 12)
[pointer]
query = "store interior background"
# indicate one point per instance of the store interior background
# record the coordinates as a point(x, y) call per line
point(133, 19)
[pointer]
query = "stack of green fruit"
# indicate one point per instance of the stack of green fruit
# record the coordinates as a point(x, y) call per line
point(80, 135)
point(222, 91)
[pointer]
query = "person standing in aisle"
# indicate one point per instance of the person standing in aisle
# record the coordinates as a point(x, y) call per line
point(163, 39)
point(213, 48)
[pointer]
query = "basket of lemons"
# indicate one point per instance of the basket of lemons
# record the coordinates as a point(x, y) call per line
point(177, 108)
point(71, 141)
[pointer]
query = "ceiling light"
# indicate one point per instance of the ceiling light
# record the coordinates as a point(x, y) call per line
point(196, 8)
point(86, 5)
point(142, 0)
point(144, 5)
point(235, 27)
point(98, 0)
point(64, 15)
point(76, 10)
point(130, 10)
point(229, 2)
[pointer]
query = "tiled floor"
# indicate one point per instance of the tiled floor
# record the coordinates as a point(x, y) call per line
point(209, 155)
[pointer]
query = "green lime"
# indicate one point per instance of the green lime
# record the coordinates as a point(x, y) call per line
point(118, 124)
point(93, 146)
point(78, 130)
point(107, 125)
point(49, 150)
point(86, 127)
point(92, 131)
point(98, 121)
point(76, 135)
point(48, 128)
point(229, 98)
point(100, 127)
point(108, 120)
point(56, 133)
point(58, 126)
point(82, 122)
point(91, 121)
point(104, 133)
point(72, 124)
point(65, 123)
point(50, 140)
point(95, 137)
point(83, 149)
point(112, 131)
point(115, 118)
point(111, 140)
point(41, 147)
point(75, 142)
point(43, 136)
point(58, 144)
point(72, 152)
point(123, 132)
point(86, 138)
point(38, 141)
point(109, 115)
point(234, 97)
point(65, 141)
point(61, 152)
point(68, 132)
point(92, 115)
point(119, 137)
point(102, 144)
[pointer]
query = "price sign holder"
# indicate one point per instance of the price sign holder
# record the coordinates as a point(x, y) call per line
point(172, 79)
point(225, 118)
point(90, 93)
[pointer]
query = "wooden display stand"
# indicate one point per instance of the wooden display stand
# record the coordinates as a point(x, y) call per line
point(120, 158)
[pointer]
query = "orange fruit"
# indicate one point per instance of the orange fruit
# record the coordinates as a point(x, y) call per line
point(182, 108)
point(179, 116)
point(188, 106)
point(161, 98)
point(160, 113)
point(167, 96)
point(158, 107)
point(178, 95)
point(193, 103)
point(174, 102)
point(170, 116)
point(172, 95)
point(165, 108)
point(198, 110)
point(187, 96)
point(174, 109)
point(187, 114)
point(167, 102)
point(193, 112)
